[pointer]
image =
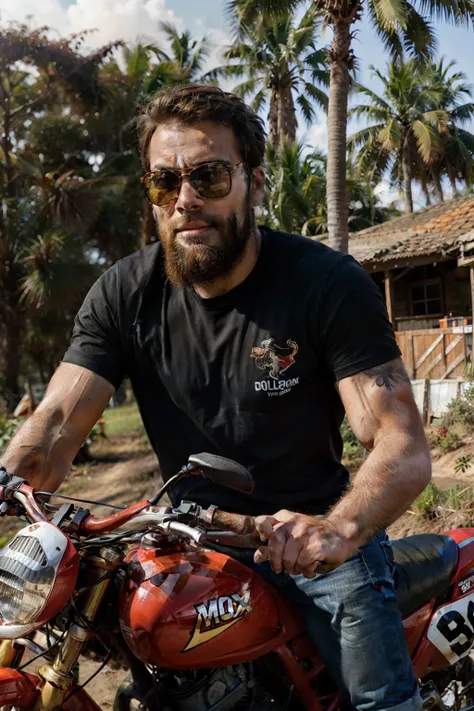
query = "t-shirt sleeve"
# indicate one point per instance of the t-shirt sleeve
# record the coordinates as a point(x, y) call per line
point(96, 343)
point(353, 329)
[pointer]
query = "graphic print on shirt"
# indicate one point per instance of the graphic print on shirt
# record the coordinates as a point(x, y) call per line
point(276, 360)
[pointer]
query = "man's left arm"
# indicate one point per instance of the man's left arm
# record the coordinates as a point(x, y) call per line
point(383, 415)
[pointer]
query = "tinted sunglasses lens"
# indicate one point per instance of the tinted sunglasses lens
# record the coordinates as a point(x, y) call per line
point(162, 187)
point(211, 181)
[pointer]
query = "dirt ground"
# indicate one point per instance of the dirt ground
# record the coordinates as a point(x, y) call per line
point(127, 471)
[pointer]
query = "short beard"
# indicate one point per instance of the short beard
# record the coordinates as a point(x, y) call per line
point(203, 264)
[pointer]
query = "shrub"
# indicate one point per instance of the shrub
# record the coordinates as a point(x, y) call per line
point(461, 411)
point(449, 443)
point(8, 427)
point(427, 500)
point(432, 500)
point(352, 447)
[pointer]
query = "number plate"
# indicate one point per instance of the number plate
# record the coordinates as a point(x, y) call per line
point(452, 628)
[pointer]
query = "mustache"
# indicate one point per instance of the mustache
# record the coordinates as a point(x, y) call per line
point(209, 221)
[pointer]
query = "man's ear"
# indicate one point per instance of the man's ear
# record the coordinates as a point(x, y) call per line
point(257, 187)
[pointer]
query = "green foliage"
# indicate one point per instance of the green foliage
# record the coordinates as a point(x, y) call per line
point(461, 411)
point(428, 500)
point(353, 450)
point(433, 501)
point(448, 443)
point(8, 428)
point(463, 463)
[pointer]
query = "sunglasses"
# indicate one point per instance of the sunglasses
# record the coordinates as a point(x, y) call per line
point(209, 180)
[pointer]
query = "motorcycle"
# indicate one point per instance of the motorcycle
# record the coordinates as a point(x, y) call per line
point(158, 591)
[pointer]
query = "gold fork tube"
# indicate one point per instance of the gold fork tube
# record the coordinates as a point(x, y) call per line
point(58, 677)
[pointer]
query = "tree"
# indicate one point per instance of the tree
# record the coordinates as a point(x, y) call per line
point(402, 26)
point(279, 61)
point(183, 64)
point(406, 126)
point(296, 190)
point(60, 70)
point(455, 160)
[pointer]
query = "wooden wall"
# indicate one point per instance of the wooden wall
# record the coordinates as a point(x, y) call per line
point(436, 353)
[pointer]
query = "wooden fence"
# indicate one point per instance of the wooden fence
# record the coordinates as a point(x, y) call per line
point(438, 354)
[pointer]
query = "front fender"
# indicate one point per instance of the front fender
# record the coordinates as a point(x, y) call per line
point(18, 688)
point(21, 690)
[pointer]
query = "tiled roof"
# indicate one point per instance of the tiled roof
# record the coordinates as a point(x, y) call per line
point(434, 230)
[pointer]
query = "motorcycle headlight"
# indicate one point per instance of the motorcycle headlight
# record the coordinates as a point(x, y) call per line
point(38, 572)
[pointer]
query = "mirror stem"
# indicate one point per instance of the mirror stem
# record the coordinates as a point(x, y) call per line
point(174, 480)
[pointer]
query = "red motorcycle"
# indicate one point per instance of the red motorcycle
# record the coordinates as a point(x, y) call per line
point(148, 588)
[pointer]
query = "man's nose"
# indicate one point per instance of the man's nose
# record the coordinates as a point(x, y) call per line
point(188, 198)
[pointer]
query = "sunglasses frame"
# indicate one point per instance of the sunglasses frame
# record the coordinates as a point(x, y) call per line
point(180, 174)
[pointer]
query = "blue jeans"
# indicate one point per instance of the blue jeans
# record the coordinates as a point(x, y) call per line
point(353, 618)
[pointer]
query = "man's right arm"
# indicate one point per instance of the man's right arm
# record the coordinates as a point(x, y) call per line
point(43, 449)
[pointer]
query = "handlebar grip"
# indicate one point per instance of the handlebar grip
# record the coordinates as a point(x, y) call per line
point(241, 532)
point(240, 524)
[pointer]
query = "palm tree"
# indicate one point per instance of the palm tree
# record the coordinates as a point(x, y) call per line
point(295, 185)
point(296, 190)
point(456, 160)
point(402, 26)
point(183, 64)
point(280, 59)
point(406, 127)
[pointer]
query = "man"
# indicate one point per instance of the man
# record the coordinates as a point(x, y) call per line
point(250, 343)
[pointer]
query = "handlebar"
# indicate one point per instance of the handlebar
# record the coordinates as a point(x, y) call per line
point(238, 530)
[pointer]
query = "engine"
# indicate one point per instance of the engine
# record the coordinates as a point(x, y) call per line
point(222, 689)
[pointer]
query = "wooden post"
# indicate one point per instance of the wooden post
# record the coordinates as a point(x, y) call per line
point(411, 357)
point(471, 273)
point(443, 354)
point(426, 402)
point(389, 295)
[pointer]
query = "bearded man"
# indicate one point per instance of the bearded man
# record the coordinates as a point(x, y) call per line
point(183, 318)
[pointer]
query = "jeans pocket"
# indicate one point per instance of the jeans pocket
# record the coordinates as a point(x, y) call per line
point(377, 557)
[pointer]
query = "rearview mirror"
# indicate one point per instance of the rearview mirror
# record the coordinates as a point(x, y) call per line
point(221, 471)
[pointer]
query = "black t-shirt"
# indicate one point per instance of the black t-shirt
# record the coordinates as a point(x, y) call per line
point(249, 375)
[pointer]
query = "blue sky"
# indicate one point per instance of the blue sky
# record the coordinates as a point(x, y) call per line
point(130, 19)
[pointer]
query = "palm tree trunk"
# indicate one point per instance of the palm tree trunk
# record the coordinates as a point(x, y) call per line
point(287, 122)
point(273, 135)
point(438, 188)
point(338, 211)
point(407, 179)
point(452, 180)
point(426, 192)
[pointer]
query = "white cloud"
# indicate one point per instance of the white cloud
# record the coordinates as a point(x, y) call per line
point(317, 135)
point(127, 19)
point(386, 193)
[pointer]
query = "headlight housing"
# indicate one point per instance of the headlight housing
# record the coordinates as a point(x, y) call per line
point(38, 573)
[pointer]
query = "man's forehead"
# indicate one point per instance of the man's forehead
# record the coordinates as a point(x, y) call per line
point(183, 145)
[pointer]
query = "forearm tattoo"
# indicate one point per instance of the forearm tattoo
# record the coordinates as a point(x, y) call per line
point(388, 375)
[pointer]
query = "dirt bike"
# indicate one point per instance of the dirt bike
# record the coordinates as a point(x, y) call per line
point(150, 588)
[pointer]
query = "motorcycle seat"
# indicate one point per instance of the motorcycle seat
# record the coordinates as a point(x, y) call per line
point(424, 567)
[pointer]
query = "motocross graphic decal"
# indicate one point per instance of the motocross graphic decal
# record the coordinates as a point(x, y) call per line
point(275, 359)
point(452, 628)
point(216, 616)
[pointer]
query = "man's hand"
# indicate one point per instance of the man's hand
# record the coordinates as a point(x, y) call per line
point(298, 544)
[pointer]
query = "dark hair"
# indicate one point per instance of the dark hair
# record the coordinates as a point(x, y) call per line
point(193, 102)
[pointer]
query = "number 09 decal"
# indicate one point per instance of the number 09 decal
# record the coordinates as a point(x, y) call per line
point(452, 629)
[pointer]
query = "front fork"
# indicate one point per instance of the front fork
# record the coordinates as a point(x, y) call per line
point(58, 677)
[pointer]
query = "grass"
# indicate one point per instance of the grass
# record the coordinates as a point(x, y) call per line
point(434, 501)
point(123, 420)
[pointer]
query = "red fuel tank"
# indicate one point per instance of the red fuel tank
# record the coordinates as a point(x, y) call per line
point(196, 608)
